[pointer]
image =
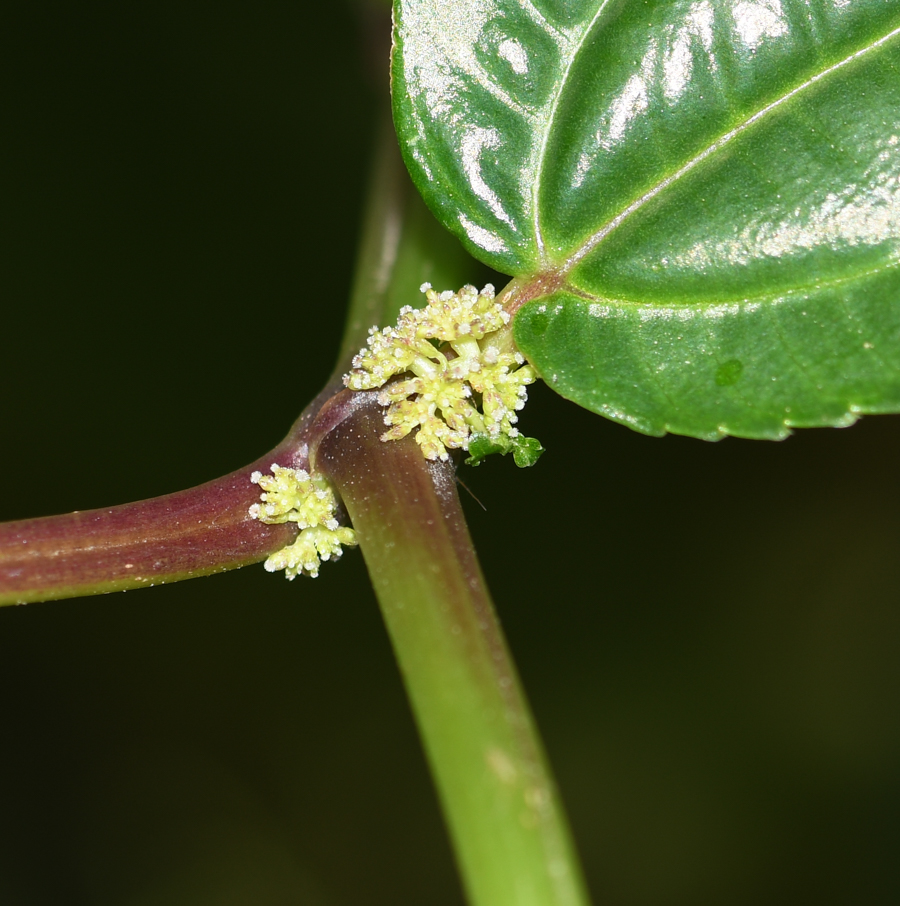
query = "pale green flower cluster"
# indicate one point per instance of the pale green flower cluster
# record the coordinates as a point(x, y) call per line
point(292, 495)
point(474, 388)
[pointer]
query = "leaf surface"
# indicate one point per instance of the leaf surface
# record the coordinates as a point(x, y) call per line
point(709, 192)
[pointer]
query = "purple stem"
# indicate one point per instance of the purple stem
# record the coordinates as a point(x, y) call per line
point(202, 530)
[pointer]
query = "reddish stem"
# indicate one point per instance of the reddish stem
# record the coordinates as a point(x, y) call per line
point(202, 530)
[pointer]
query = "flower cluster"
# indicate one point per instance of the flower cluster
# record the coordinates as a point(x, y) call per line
point(462, 376)
point(292, 495)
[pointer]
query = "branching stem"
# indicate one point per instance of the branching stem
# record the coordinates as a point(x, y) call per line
point(201, 530)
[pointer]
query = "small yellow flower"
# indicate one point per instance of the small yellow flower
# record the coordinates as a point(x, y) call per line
point(292, 495)
point(475, 387)
point(449, 315)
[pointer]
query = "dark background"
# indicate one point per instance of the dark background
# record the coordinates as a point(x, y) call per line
point(710, 634)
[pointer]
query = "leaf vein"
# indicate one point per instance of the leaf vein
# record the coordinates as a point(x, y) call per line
point(587, 296)
point(572, 51)
point(596, 238)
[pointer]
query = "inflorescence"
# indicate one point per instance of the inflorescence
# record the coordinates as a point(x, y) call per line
point(292, 495)
point(459, 383)
point(453, 396)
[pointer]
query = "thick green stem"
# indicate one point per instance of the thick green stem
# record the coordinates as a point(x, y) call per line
point(402, 246)
point(380, 247)
point(508, 828)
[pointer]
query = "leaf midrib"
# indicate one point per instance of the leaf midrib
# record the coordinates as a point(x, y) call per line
point(811, 288)
point(574, 51)
point(612, 225)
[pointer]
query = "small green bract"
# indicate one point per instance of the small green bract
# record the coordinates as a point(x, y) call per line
point(292, 495)
point(525, 450)
point(472, 386)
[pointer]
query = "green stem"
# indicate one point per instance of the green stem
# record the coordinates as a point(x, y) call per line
point(402, 246)
point(380, 247)
point(509, 832)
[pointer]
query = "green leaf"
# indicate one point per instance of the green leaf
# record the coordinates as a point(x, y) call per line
point(475, 87)
point(701, 199)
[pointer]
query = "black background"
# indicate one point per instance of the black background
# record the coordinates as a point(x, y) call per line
point(710, 634)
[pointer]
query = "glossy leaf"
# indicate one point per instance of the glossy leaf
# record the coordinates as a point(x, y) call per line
point(709, 191)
